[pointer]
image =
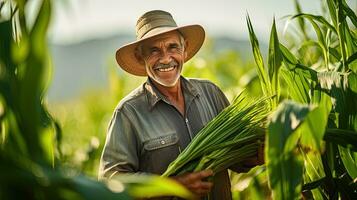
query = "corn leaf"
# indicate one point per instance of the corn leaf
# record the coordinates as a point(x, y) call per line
point(349, 160)
point(8, 68)
point(34, 81)
point(336, 83)
point(321, 40)
point(295, 77)
point(351, 48)
point(352, 81)
point(91, 190)
point(332, 11)
point(298, 78)
point(313, 129)
point(350, 13)
point(313, 165)
point(317, 18)
point(149, 186)
point(341, 26)
point(289, 59)
point(301, 20)
point(21, 174)
point(256, 189)
point(298, 84)
point(313, 186)
point(342, 137)
point(285, 167)
point(262, 73)
point(321, 36)
point(334, 53)
point(274, 63)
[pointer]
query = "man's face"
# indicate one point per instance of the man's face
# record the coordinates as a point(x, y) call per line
point(164, 56)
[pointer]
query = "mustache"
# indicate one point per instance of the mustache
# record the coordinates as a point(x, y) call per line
point(168, 65)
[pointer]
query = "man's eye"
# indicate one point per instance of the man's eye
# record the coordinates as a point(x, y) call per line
point(154, 51)
point(174, 46)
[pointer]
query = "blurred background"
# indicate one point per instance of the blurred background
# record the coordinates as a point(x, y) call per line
point(84, 34)
point(87, 84)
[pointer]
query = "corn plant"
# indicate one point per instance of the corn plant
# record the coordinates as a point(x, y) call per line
point(312, 135)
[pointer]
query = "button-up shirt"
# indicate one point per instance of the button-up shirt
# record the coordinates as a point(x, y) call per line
point(146, 132)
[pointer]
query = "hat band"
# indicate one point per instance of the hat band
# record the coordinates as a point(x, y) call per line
point(154, 24)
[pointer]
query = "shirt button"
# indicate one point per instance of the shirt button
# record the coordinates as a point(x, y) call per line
point(162, 142)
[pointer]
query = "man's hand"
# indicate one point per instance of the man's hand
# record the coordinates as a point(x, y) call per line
point(195, 183)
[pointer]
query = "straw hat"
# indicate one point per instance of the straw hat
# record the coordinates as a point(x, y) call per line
point(151, 24)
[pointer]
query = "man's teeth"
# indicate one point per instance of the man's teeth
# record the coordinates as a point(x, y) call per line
point(166, 69)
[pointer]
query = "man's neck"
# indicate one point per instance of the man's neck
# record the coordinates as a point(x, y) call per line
point(173, 93)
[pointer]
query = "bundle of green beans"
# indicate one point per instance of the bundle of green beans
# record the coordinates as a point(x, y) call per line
point(231, 137)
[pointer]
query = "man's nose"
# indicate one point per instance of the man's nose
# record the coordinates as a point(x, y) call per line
point(165, 57)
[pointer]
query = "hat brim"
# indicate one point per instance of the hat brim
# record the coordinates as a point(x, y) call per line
point(125, 55)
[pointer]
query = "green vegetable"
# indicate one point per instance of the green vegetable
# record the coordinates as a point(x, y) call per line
point(231, 137)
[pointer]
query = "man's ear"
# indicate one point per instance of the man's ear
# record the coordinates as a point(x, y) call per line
point(139, 57)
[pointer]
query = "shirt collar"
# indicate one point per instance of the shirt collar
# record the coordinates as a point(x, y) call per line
point(154, 95)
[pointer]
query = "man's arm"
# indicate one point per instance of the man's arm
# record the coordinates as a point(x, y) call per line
point(120, 149)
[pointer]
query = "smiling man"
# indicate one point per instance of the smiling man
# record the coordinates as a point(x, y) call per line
point(156, 121)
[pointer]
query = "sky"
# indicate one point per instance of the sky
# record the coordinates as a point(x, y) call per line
point(76, 20)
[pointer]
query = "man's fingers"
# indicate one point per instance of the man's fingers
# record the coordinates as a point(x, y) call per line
point(203, 188)
point(194, 176)
point(202, 185)
point(203, 174)
point(195, 183)
point(206, 185)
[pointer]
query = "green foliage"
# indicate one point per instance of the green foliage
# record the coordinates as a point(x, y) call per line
point(262, 71)
point(268, 76)
point(311, 144)
point(250, 185)
point(274, 63)
point(30, 138)
point(147, 186)
point(323, 78)
point(22, 87)
point(283, 164)
point(227, 69)
point(28, 130)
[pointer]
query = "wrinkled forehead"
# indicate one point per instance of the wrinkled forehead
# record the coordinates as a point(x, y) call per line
point(170, 37)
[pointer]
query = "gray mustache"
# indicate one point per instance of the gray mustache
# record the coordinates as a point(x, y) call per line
point(168, 65)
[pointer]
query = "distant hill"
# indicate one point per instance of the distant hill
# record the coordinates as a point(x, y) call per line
point(81, 66)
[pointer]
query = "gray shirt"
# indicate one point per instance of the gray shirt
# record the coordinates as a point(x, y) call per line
point(146, 132)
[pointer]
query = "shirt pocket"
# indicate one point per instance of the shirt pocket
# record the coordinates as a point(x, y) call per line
point(160, 152)
point(161, 142)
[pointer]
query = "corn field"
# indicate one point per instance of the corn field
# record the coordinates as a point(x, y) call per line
point(311, 133)
point(311, 138)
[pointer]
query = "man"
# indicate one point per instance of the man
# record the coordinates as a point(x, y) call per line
point(155, 122)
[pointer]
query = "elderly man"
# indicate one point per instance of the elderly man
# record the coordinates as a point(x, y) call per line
point(156, 121)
